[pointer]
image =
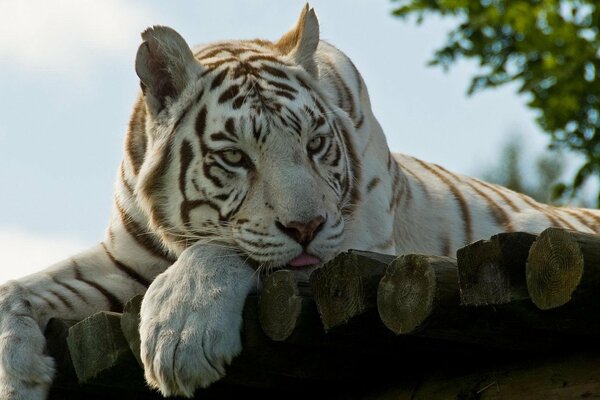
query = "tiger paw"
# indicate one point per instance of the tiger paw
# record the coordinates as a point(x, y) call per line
point(25, 371)
point(190, 324)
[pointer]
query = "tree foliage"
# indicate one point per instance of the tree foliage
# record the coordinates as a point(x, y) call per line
point(551, 48)
point(511, 170)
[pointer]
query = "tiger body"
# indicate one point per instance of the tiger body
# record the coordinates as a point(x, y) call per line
point(245, 156)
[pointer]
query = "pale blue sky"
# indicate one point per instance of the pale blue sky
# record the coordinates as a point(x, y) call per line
point(67, 83)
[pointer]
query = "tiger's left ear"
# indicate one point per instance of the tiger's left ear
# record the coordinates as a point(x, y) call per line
point(302, 40)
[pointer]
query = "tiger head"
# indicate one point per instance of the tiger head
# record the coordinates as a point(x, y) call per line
point(244, 149)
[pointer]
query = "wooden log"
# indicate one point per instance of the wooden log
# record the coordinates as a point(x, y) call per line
point(130, 322)
point(347, 286)
point(562, 265)
point(97, 345)
point(493, 271)
point(283, 305)
point(419, 296)
point(560, 376)
point(415, 289)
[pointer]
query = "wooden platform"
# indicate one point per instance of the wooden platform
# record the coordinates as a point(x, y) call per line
point(379, 327)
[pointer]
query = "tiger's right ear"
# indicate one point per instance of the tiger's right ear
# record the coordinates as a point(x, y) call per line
point(165, 64)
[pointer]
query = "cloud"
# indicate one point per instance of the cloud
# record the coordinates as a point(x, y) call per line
point(53, 35)
point(24, 253)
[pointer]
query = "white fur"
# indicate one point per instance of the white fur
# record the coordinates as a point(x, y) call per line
point(191, 318)
point(25, 371)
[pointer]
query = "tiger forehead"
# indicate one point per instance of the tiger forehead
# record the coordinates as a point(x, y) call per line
point(260, 66)
point(211, 56)
point(257, 122)
point(258, 128)
point(262, 93)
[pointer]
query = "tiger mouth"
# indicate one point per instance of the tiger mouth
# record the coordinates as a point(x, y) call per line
point(304, 259)
point(302, 262)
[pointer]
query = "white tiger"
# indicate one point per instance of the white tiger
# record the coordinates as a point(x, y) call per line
point(245, 156)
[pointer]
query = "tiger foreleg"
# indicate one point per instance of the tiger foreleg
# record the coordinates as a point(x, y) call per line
point(191, 318)
point(72, 289)
point(25, 371)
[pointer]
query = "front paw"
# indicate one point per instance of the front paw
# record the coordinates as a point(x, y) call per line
point(187, 338)
point(25, 371)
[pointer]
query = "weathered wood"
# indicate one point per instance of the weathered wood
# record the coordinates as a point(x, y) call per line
point(419, 296)
point(283, 305)
point(570, 376)
point(562, 265)
point(493, 271)
point(130, 322)
point(310, 357)
point(97, 344)
point(347, 286)
point(416, 288)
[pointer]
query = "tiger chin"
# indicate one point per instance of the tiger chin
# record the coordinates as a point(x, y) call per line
point(242, 157)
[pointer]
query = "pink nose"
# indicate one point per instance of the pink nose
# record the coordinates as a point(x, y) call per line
point(302, 232)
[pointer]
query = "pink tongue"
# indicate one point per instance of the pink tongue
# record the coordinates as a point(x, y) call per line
point(304, 259)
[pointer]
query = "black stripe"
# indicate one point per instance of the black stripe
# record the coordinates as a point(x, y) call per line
point(186, 208)
point(256, 129)
point(498, 214)
point(593, 216)
point(274, 71)
point(578, 217)
point(374, 182)
point(420, 182)
point(230, 127)
point(238, 102)
point(345, 92)
point(126, 269)
point(48, 302)
point(127, 185)
point(143, 237)
point(62, 299)
point(539, 207)
point(499, 191)
point(186, 154)
point(229, 94)
point(201, 122)
point(460, 199)
point(217, 136)
point(113, 302)
point(218, 79)
point(283, 93)
point(70, 288)
point(282, 86)
point(206, 168)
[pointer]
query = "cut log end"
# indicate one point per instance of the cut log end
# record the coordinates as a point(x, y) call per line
point(554, 268)
point(337, 291)
point(482, 280)
point(279, 305)
point(406, 293)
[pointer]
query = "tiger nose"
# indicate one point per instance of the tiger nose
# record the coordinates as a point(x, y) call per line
point(302, 232)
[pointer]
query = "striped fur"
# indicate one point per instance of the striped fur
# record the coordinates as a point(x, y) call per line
point(228, 146)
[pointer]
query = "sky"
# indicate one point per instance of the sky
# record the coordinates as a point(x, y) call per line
point(67, 84)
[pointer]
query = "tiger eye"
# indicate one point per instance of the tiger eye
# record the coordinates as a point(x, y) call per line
point(315, 144)
point(232, 156)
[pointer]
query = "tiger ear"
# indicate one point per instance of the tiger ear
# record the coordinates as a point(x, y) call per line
point(165, 64)
point(302, 40)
